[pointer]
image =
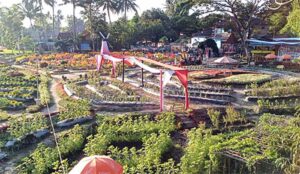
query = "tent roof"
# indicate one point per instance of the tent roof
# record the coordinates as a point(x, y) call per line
point(174, 68)
point(226, 60)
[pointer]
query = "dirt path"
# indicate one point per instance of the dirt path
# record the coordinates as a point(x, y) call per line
point(55, 98)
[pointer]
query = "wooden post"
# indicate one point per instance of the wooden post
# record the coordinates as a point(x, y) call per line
point(161, 92)
point(123, 72)
point(142, 76)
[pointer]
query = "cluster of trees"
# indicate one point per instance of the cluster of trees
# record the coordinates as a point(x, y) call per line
point(178, 16)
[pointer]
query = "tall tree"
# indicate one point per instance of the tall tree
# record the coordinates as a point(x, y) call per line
point(43, 26)
point(109, 6)
point(293, 20)
point(58, 18)
point(11, 26)
point(242, 13)
point(52, 3)
point(127, 5)
point(74, 4)
point(31, 9)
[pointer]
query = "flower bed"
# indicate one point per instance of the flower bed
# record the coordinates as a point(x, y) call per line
point(64, 60)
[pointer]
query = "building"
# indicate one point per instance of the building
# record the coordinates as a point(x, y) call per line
point(277, 46)
point(226, 41)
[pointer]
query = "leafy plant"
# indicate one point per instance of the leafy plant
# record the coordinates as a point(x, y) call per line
point(233, 115)
point(214, 116)
point(18, 127)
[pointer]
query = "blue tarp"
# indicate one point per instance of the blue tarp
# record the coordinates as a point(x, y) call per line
point(287, 39)
point(256, 42)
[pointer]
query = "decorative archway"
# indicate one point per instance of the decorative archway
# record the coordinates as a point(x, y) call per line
point(165, 72)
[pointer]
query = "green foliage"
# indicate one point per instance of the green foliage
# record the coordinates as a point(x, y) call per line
point(293, 23)
point(146, 159)
point(214, 116)
point(199, 157)
point(33, 108)
point(127, 129)
point(297, 113)
point(233, 115)
point(10, 26)
point(6, 103)
point(281, 87)
point(4, 116)
point(278, 106)
point(44, 92)
point(74, 108)
point(131, 129)
point(242, 79)
point(45, 159)
point(18, 127)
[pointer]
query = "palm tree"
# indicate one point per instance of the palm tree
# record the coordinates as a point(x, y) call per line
point(87, 6)
point(31, 9)
point(59, 17)
point(109, 6)
point(127, 5)
point(52, 3)
point(74, 4)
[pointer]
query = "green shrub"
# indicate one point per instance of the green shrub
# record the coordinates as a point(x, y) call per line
point(214, 116)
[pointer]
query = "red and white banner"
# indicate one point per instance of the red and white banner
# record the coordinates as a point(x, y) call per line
point(181, 73)
point(99, 62)
point(167, 77)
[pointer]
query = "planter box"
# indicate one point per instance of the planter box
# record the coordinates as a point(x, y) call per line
point(214, 101)
point(72, 122)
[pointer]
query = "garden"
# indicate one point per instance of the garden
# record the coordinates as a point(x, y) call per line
point(109, 94)
point(224, 136)
point(157, 144)
point(241, 79)
point(19, 89)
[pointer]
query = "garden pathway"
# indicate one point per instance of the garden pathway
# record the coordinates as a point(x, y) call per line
point(55, 98)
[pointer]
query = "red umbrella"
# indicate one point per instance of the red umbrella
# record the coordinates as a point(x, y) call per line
point(271, 56)
point(97, 165)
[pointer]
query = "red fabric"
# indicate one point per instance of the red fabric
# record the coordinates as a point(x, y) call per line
point(183, 77)
point(97, 165)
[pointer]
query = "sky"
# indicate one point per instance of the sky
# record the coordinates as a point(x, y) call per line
point(67, 9)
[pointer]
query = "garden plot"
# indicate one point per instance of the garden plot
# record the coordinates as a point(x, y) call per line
point(277, 89)
point(139, 143)
point(17, 90)
point(26, 131)
point(260, 149)
point(241, 79)
point(113, 96)
point(280, 96)
point(220, 119)
point(197, 93)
